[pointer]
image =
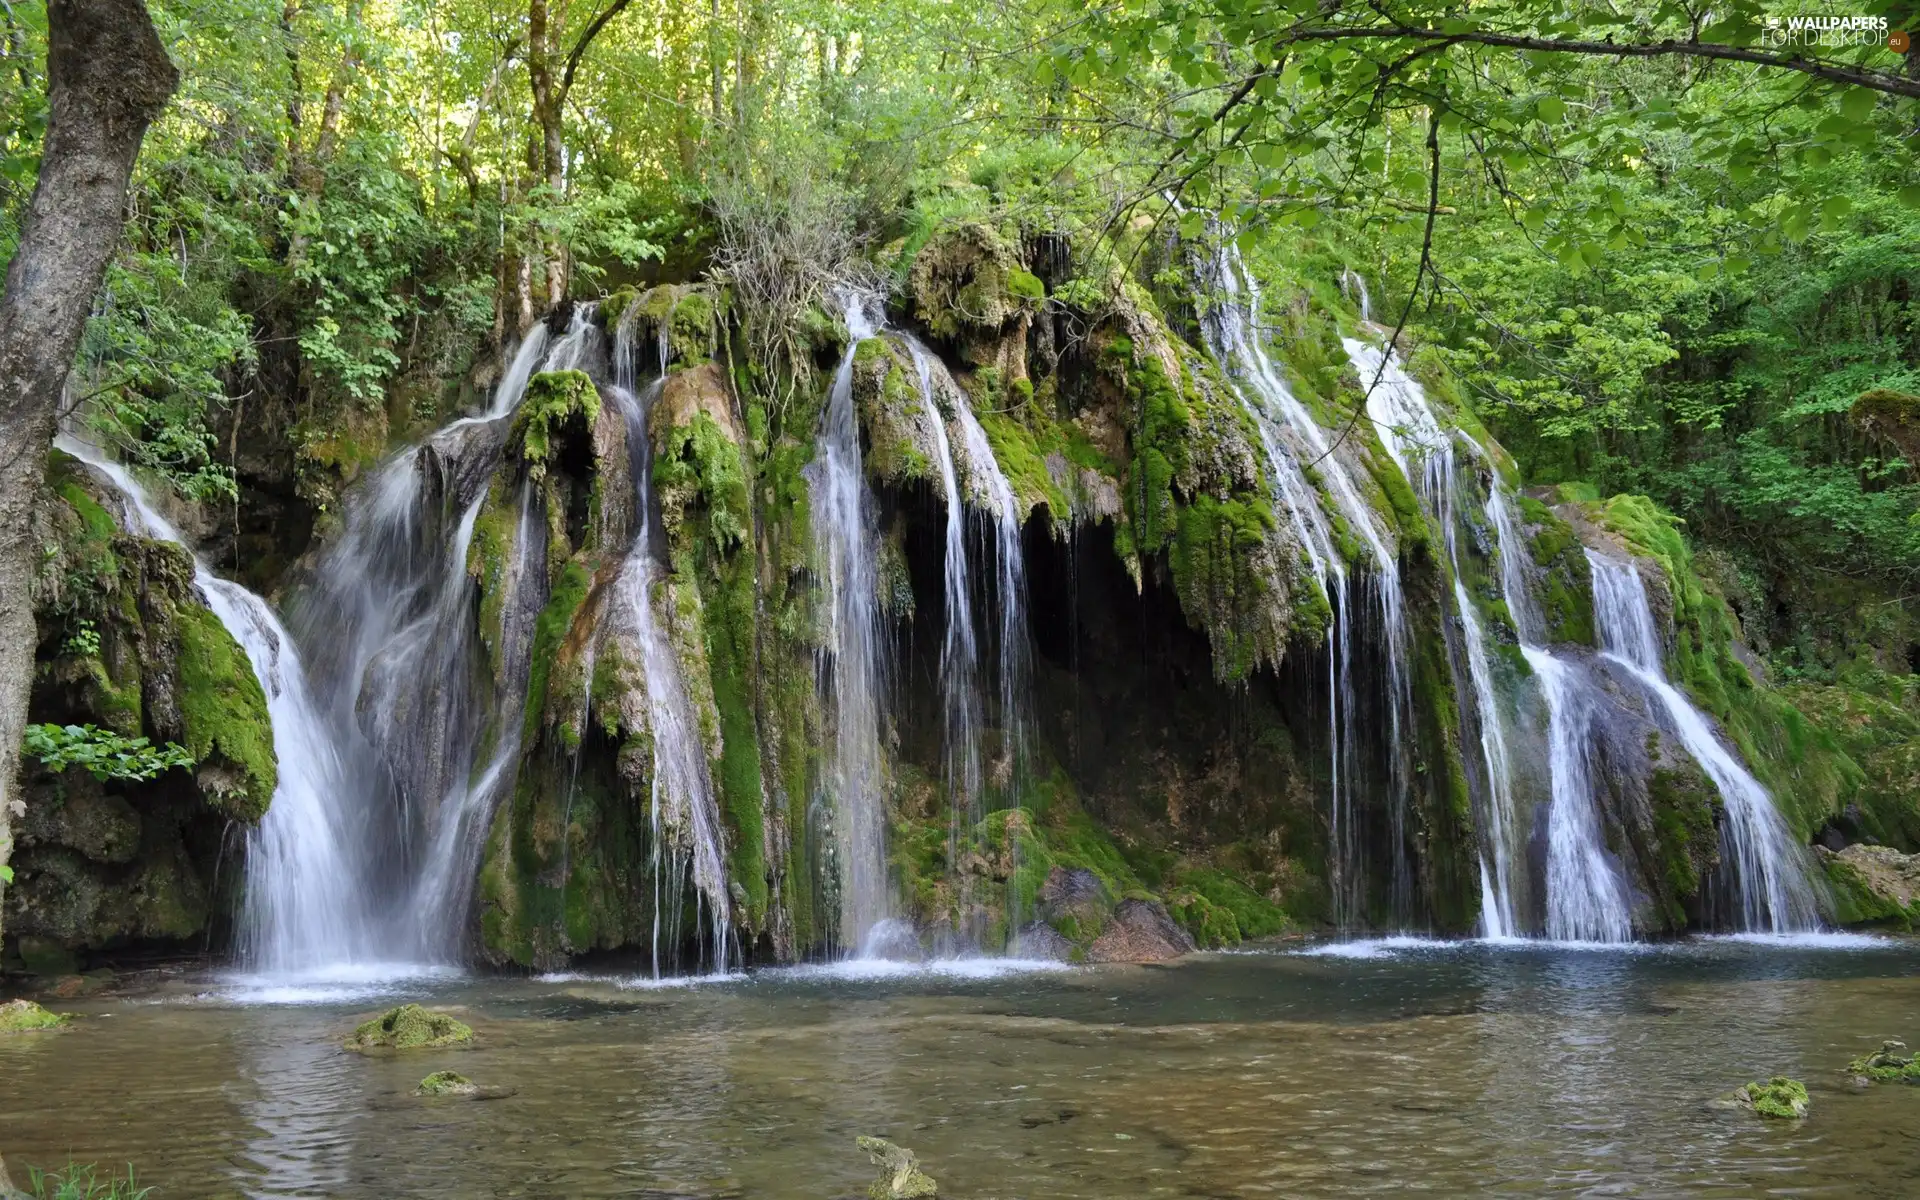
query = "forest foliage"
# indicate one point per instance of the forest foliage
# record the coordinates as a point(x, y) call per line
point(1669, 271)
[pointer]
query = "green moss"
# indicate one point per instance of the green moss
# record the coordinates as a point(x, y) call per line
point(614, 305)
point(691, 329)
point(1779, 1097)
point(1160, 441)
point(1021, 459)
point(550, 629)
point(24, 1016)
point(1221, 911)
point(1217, 574)
point(1025, 285)
point(224, 713)
point(700, 458)
point(445, 1083)
point(489, 558)
point(1686, 809)
point(409, 1027)
point(554, 400)
point(1856, 901)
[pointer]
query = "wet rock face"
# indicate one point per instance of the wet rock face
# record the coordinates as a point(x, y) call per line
point(1140, 931)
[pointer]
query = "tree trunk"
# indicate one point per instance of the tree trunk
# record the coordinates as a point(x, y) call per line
point(107, 78)
point(549, 102)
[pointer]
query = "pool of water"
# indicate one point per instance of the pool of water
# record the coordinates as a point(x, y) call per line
point(1380, 1068)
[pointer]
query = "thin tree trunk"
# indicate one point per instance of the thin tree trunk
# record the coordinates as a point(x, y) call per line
point(107, 78)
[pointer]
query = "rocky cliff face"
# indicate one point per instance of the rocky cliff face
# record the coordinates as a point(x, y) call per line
point(648, 599)
point(106, 864)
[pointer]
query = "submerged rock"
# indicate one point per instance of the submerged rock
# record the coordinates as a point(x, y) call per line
point(900, 1175)
point(24, 1016)
point(409, 1027)
point(1140, 931)
point(446, 1083)
point(1889, 1064)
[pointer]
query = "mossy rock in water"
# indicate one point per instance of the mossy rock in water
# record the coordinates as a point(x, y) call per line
point(410, 1027)
point(1779, 1097)
point(900, 1175)
point(446, 1083)
point(24, 1016)
point(1889, 1064)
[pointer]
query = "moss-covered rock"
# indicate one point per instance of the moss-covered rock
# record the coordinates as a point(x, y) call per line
point(900, 1175)
point(1780, 1098)
point(446, 1083)
point(227, 726)
point(1891, 1063)
point(24, 1016)
point(1872, 885)
point(410, 1027)
point(556, 404)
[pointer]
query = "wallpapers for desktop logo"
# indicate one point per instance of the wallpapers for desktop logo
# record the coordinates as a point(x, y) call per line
point(1830, 32)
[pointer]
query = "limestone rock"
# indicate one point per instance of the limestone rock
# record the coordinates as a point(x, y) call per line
point(900, 1175)
point(409, 1027)
point(1140, 931)
point(1873, 884)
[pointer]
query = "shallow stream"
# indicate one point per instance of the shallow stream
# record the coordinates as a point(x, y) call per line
point(1382, 1068)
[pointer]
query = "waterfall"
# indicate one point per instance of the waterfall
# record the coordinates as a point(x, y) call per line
point(1292, 441)
point(303, 893)
point(1397, 406)
point(852, 661)
point(958, 652)
point(1586, 894)
point(386, 619)
point(959, 658)
point(1768, 873)
point(683, 815)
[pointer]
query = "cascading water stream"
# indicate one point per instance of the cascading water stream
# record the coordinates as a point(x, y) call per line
point(959, 654)
point(1398, 407)
point(1586, 895)
point(1769, 877)
point(426, 744)
point(304, 907)
point(852, 662)
point(1291, 437)
point(683, 814)
point(987, 486)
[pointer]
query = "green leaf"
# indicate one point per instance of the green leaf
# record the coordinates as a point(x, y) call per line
point(1550, 109)
point(1857, 104)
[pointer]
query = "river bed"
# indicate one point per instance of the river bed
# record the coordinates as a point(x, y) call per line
point(1377, 1068)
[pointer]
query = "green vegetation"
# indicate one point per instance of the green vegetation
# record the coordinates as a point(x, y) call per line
point(104, 754)
point(1889, 1064)
point(555, 400)
point(78, 1182)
